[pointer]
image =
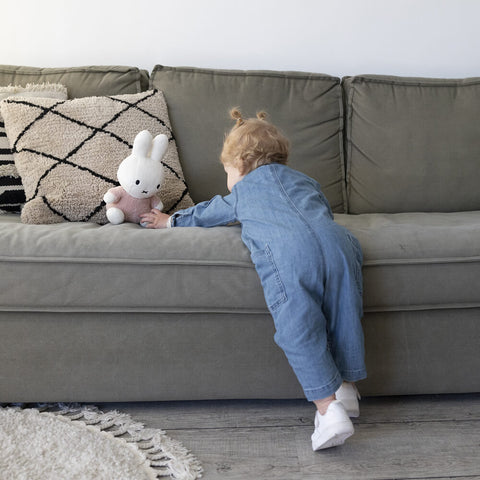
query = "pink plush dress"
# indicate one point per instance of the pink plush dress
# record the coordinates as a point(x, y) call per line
point(132, 207)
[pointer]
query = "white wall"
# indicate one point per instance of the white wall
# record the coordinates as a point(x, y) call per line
point(340, 37)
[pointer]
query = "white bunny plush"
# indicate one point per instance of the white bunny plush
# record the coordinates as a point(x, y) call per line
point(140, 176)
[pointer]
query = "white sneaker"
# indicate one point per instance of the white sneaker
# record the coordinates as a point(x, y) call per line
point(333, 428)
point(349, 396)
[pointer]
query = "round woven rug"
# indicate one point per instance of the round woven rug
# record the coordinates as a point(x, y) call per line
point(52, 442)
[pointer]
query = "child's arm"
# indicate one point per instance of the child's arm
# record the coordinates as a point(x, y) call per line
point(217, 211)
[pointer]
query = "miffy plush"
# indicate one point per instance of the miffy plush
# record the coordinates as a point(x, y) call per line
point(140, 176)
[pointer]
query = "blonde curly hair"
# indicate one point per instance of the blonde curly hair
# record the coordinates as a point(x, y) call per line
point(253, 142)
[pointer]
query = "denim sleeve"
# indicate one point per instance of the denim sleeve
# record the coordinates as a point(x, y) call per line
point(215, 212)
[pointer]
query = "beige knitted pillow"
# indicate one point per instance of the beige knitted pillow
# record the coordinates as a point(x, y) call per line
point(67, 152)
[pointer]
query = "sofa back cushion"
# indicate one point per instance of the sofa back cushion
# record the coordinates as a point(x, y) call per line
point(307, 107)
point(412, 144)
point(80, 81)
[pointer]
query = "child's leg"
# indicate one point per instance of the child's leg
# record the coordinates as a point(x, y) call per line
point(296, 291)
point(294, 281)
point(343, 305)
point(301, 332)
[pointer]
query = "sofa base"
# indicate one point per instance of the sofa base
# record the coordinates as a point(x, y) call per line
point(422, 352)
point(113, 357)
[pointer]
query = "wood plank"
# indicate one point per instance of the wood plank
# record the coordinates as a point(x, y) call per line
point(263, 413)
point(385, 451)
point(425, 408)
point(244, 453)
point(219, 414)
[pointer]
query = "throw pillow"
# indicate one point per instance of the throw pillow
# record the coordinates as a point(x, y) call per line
point(68, 152)
point(12, 195)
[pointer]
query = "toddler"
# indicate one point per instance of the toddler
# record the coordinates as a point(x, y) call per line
point(309, 267)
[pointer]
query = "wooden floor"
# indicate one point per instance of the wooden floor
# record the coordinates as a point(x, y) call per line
point(420, 437)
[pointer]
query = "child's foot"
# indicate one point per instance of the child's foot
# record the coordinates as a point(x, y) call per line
point(333, 428)
point(349, 396)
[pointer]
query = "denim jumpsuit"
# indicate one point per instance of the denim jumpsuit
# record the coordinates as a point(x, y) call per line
point(309, 267)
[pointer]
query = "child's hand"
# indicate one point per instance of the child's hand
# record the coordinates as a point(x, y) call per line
point(154, 219)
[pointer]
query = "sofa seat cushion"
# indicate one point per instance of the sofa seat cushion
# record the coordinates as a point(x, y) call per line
point(411, 262)
point(82, 267)
point(418, 261)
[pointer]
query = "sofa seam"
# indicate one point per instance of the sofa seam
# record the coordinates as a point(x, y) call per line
point(222, 310)
point(348, 127)
point(126, 261)
point(225, 263)
point(134, 310)
point(421, 261)
point(422, 307)
point(341, 140)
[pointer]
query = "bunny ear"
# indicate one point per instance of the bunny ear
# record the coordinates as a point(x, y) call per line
point(141, 144)
point(160, 145)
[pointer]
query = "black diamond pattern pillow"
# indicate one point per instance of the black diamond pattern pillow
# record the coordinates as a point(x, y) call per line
point(12, 195)
point(68, 152)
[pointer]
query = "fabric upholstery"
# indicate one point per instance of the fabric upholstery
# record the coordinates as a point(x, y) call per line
point(136, 356)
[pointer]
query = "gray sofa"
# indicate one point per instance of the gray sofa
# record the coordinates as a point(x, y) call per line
point(119, 313)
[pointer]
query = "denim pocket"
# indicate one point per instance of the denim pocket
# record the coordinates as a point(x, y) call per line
point(273, 287)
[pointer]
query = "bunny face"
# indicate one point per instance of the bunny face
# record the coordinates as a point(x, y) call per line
point(140, 178)
point(141, 173)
